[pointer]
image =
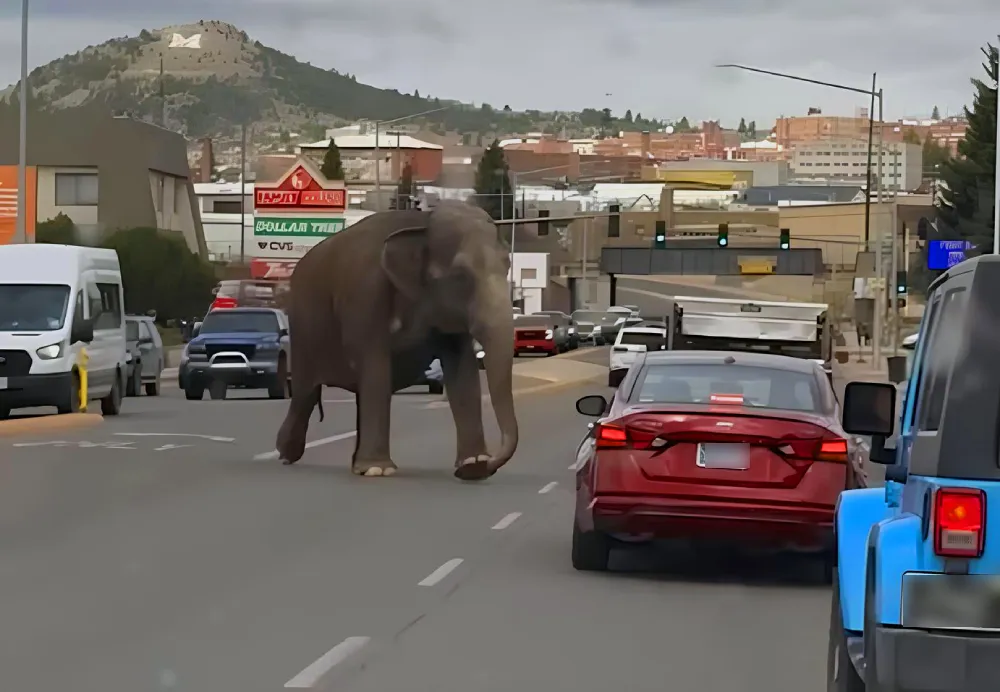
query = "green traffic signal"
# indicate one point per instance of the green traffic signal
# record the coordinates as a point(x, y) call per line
point(660, 239)
point(723, 238)
point(785, 240)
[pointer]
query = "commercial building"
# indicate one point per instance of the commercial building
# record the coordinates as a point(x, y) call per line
point(846, 161)
point(396, 151)
point(103, 172)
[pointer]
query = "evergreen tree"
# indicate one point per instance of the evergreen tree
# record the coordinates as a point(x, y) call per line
point(492, 179)
point(742, 129)
point(332, 168)
point(966, 208)
point(628, 115)
point(752, 129)
point(607, 120)
point(935, 114)
point(682, 125)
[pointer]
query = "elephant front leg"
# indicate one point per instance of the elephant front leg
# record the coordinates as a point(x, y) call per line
point(374, 401)
point(461, 382)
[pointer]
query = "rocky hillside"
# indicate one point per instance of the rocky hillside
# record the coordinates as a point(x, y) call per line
point(216, 76)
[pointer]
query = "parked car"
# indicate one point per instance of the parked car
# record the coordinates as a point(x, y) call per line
point(587, 324)
point(714, 446)
point(434, 377)
point(562, 321)
point(535, 334)
point(613, 322)
point(146, 355)
point(248, 348)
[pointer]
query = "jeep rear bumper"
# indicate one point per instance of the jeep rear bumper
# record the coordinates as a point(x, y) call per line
point(910, 660)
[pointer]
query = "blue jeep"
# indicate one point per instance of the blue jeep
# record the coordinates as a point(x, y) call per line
point(916, 599)
point(238, 347)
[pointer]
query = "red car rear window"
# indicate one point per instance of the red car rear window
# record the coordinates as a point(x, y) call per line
point(759, 387)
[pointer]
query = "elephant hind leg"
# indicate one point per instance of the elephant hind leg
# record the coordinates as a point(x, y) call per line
point(291, 443)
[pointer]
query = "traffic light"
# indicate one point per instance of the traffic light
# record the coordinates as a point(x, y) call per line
point(660, 241)
point(614, 228)
point(785, 239)
point(901, 281)
point(543, 225)
point(723, 239)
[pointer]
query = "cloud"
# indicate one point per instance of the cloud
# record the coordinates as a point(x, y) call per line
point(653, 56)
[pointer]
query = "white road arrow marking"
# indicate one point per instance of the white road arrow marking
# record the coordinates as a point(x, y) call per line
point(165, 448)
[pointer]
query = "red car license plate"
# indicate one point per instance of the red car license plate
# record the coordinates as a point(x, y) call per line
point(734, 457)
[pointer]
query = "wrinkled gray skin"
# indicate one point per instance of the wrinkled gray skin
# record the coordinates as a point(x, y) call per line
point(373, 305)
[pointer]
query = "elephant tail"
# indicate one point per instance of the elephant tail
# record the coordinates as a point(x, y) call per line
point(319, 401)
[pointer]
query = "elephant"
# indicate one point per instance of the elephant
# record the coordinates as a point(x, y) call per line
point(372, 306)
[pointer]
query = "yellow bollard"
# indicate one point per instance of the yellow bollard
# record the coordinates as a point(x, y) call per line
point(82, 370)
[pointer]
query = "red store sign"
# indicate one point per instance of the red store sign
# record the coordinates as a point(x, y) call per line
point(326, 199)
point(271, 269)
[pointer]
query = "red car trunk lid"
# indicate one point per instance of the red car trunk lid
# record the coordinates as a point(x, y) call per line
point(529, 333)
point(776, 447)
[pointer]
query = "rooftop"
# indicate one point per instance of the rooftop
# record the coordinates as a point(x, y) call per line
point(385, 141)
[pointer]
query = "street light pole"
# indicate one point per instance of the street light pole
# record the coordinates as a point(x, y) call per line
point(21, 222)
point(879, 269)
point(996, 191)
point(378, 124)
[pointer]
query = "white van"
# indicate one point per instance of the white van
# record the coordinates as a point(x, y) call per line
point(56, 300)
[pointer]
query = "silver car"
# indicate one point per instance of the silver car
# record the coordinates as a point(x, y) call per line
point(145, 354)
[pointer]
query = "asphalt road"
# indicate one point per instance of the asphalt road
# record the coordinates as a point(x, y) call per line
point(167, 550)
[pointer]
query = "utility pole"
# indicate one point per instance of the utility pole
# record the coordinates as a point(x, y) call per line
point(243, 192)
point(894, 248)
point(879, 311)
point(21, 222)
point(378, 176)
point(163, 97)
point(583, 264)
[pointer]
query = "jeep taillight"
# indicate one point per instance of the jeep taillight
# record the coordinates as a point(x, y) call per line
point(959, 522)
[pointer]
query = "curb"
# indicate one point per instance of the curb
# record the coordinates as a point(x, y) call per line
point(50, 423)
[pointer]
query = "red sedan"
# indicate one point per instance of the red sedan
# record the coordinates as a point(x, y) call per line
point(710, 445)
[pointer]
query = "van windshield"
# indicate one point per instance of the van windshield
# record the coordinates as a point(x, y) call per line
point(33, 307)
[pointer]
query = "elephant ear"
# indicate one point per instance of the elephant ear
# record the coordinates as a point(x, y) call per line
point(404, 258)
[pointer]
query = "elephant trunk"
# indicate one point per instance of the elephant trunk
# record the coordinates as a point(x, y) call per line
point(498, 343)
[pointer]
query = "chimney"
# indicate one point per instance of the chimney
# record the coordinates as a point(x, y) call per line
point(647, 144)
point(206, 160)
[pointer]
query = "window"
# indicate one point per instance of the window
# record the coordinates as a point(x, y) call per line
point(759, 387)
point(529, 274)
point(227, 207)
point(76, 189)
point(652, 341)
point(33, 307)
point(105, 305)
point(939, 358)
point(222, 321)
point(131, 330)
point(144, 331)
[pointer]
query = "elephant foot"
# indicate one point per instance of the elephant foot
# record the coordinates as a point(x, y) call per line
point(371, 469)
point(473, 468)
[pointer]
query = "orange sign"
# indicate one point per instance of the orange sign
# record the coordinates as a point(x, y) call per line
point(8, 202)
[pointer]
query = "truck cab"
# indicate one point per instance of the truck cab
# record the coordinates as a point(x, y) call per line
point(916, 602)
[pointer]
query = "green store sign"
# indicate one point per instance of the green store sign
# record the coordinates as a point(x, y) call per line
point(299, 227)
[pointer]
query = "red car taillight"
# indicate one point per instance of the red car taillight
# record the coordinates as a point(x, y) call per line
point(617, 436)
point(959, 522)
point(832, 450)
point(220, 303)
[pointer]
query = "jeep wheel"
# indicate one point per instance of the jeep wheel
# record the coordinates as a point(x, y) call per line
point(217, 390)
point(194, 393)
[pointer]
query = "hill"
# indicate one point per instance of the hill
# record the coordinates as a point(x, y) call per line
point(215, 77)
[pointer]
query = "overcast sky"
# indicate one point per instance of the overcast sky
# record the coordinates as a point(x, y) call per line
point(652, 56)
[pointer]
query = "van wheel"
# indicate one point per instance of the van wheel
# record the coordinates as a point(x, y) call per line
point(111, 405)
point(134, 387)
point(153, 388)
point(435, 388)
point(71, 404)
point(4, 412)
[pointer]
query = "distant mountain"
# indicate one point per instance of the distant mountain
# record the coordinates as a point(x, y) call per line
point(215, 76)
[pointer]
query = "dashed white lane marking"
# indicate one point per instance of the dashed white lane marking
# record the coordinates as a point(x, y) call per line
point(213, 438)
point(506, 521)
point(441, 572)
point(322, 665)
point(309, 445)
point(548, 487)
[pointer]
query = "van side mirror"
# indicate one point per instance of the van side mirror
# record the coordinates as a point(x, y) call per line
point(283, 332)
point(82, 332)
point(869, 408)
